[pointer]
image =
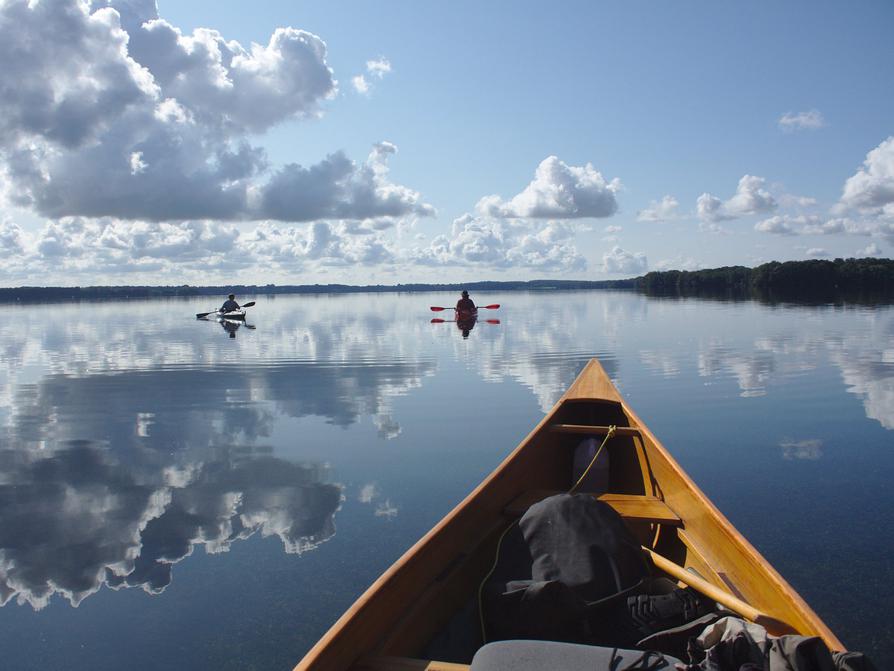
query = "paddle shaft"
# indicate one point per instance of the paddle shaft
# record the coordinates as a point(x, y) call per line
point(453, 321)
point(724, 598)
point(495, 306)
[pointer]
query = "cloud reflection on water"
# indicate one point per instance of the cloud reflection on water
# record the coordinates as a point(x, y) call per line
point(117, 452)
point(76, 517)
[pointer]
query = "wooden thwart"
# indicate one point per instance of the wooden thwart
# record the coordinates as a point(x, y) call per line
point(630, 506)
point(593, 429)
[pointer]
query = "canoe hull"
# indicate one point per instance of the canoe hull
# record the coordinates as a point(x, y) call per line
point(419, 593)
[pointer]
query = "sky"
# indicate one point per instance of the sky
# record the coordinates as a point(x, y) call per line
point(226, 142)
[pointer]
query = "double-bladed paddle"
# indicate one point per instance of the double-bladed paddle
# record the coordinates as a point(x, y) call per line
point(435, 308)
point(453, 321)
point(199, 315)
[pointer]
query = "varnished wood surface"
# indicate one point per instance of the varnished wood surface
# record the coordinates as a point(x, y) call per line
point(593, 430)
point(631, 506)
point(593, 384)
point(384, 663)
point(734, 603)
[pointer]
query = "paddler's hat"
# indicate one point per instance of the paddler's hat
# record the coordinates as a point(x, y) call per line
point(231, 296)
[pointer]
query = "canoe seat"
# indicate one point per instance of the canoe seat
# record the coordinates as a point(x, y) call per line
point(384, 663)
point(628, 506)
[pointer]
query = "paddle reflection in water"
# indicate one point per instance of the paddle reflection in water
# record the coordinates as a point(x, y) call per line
point(466, 324)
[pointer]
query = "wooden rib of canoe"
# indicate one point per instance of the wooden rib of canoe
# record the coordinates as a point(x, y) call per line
point(390, 624)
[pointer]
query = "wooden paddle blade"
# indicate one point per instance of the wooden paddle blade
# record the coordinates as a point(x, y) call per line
point(492, 307)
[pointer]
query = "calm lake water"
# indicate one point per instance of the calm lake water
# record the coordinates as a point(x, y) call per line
point(172, 497)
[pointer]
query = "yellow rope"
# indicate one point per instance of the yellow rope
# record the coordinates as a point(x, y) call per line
point(609, 434)
point(487, 577)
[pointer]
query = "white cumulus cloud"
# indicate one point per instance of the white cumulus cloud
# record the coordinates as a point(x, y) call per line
point(871, 249)
point(678, 263)
point(810, 120)
point(790, 225)
point(360, 84)
point(504, 244)
point(750, 198)
point(337, 188)
point(663, 210)
point(558, 191)
point(620, 261)
point(77, 248)
point(872, 187)
point(108, 110)
point(376, 68)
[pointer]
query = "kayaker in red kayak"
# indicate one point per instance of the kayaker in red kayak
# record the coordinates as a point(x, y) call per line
point(230, 304)
point(465, 306)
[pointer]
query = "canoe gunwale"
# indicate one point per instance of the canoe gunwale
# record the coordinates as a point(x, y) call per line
point(735, 538)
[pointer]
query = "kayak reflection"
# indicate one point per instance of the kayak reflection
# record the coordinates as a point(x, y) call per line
point(229, 325)
point(465, 322)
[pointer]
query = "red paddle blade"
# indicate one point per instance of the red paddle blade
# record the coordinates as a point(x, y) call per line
point(435, 308)
point(492, 307)
point(437, 321)
point(492, 321)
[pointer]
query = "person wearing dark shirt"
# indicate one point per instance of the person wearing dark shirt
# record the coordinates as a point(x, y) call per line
point(465, 305)
point(230, 304)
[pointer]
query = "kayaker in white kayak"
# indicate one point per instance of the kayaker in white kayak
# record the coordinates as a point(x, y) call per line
point(230, 304)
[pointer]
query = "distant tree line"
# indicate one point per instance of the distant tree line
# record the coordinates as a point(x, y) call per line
point(53, 294)
point(867, 278)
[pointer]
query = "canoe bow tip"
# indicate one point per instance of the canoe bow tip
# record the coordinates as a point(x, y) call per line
point(593, 384)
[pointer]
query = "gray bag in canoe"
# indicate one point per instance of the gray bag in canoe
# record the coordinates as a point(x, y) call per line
point(569, 556)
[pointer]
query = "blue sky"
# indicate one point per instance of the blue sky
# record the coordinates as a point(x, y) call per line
point(484, 141)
